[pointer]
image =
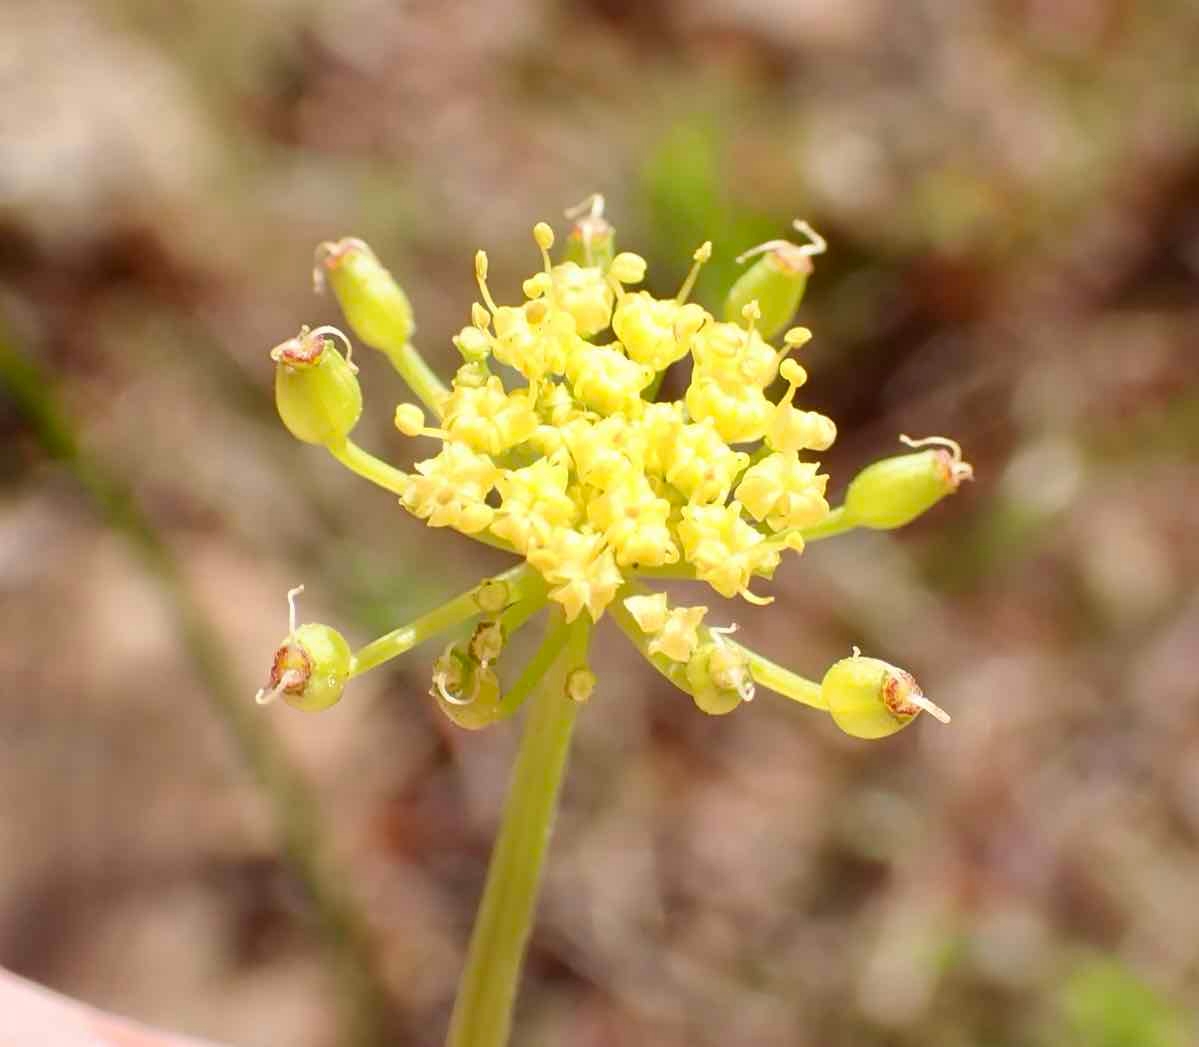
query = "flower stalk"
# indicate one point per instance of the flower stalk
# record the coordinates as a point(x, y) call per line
point(487, 992)
point(525, 591)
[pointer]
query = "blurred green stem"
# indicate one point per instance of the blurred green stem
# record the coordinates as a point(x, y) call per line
point(487, 993)
point(294, 806)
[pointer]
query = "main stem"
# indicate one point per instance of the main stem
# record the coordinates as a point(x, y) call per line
point(486, 995)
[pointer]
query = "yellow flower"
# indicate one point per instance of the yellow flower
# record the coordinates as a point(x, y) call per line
point(585, 294)
point(784, 491)
point(534, 501)
point(674, 631)
point(656, 332)
point(582, 572)
point(449, 489)
point(725, 549)
point(488, 419)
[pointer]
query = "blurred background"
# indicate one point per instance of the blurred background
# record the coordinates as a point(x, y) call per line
point(1010, 190)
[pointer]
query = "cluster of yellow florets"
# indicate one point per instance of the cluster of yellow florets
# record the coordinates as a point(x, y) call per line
point(582, 474)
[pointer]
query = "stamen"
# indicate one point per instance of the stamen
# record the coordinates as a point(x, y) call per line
point(544, 235)
point(745, 688)
point(857, 651)
point(757, 601)
point(410, 420)
point(795, 376)
point(481, 279)
point(751, 312)
point(702, 254)
point(930, 707)
point(795, 338)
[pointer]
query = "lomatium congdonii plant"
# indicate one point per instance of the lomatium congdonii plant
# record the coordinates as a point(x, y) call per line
point(550, 444)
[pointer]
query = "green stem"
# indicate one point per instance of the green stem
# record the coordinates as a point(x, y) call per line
point(294, 807)
point(368, 466)
point(782, 681)
point(486, 995)
point(420, 377)
point(525, 584)
point(838, 521)
point(364, 464)
point(536, 669)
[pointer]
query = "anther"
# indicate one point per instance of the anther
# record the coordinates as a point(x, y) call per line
point(410, 420)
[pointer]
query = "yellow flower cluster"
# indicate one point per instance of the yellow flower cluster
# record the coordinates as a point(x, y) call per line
point(581, 473)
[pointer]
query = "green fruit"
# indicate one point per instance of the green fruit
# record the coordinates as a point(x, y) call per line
point(311, 667)
point(316, 389)
point(869, 698)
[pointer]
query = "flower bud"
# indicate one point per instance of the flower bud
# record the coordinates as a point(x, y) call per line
point(374, 305)
point(316, 388)
point(894, 491)
point(869, 698)
point(580, 684)
point(718, 675)
point(777, 281)
point(310, 668)
point(467, 692)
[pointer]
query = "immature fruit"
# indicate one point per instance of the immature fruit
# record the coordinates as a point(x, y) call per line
point(311, 667)
point(719, 678)
point(466, 691)
point(894, 491)
point(374, 305)
point(316, 388)
point(869, 698)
